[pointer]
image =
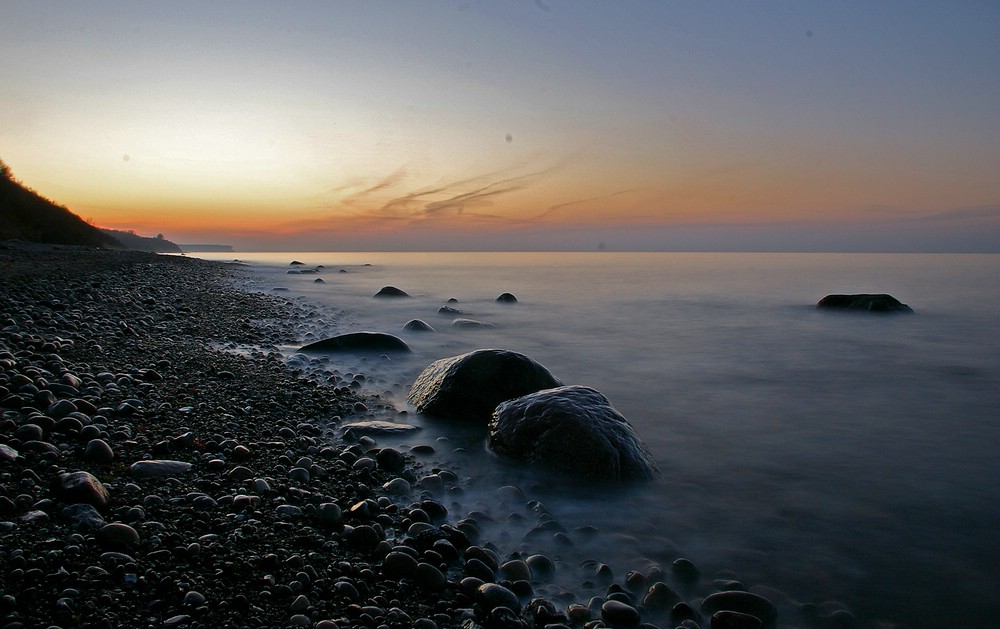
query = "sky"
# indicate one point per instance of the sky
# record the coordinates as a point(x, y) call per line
point(513, 125)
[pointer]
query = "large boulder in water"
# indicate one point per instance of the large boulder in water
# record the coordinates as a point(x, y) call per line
point(574, 430)
point(359, 342)
point(864, 302)
point(471, 385)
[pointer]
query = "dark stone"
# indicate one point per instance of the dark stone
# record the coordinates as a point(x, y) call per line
point(571, 429)
point(619, 615)
point(81, 487)
point(391, 291)
point(735, 620)
point(470, 386)
point(449, 311)
point(863, 302)
point(506, 298)
point(742, 602)
point(418, 325)
point(359, 342)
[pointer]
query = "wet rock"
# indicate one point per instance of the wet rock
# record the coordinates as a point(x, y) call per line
point(506, 298)
point(864, 302)
point(359, 342)
point(492, 596)
point(158, 467)
point(619, 615)
point(685, 570)
point(81, 487)
point(449, 311)
point(470, 386)
point(573, 430)
point(357, 429)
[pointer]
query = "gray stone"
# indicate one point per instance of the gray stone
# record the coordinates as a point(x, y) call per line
point(470, 386)
point(573, 430)
point(506, 298)
point(83, 517)
point(359, 342)
point(159, 467)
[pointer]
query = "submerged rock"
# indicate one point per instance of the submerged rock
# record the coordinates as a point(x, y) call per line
point(864, 302)
point(418, 325)
point(471, 324)
point(391, 291)
point(359, 342)
point(574, 430)
point(506, 298)
point(470, 386)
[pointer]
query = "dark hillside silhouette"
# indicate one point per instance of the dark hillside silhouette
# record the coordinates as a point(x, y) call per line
point(26, 215)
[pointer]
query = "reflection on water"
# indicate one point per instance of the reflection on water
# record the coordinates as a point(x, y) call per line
point(827, 455)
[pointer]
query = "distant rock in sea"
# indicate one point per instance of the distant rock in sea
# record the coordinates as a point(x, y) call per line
point(391, 291)
point(359, 342)
point(864, 302)
point(506, 298)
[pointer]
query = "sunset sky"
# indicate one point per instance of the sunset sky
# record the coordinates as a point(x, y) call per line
point(545, 124)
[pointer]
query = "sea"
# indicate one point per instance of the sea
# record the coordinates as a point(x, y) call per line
point(831, 460)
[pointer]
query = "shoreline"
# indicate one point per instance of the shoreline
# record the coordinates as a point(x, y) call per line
point(280, 520)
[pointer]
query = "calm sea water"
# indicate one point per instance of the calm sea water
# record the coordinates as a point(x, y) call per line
point(825, 456)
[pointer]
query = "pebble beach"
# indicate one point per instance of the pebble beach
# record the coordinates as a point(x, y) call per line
point(151, 475)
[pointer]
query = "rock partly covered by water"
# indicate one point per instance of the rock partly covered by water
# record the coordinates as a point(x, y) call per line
point(864, 302)
point(391, 291)
point(359, 342)
point(470, 386)
point(571, 429)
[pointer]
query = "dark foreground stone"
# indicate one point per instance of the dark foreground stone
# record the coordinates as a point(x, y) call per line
point(573, 430)
point(864, 302)
point(470, 386)
point(359, 342)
